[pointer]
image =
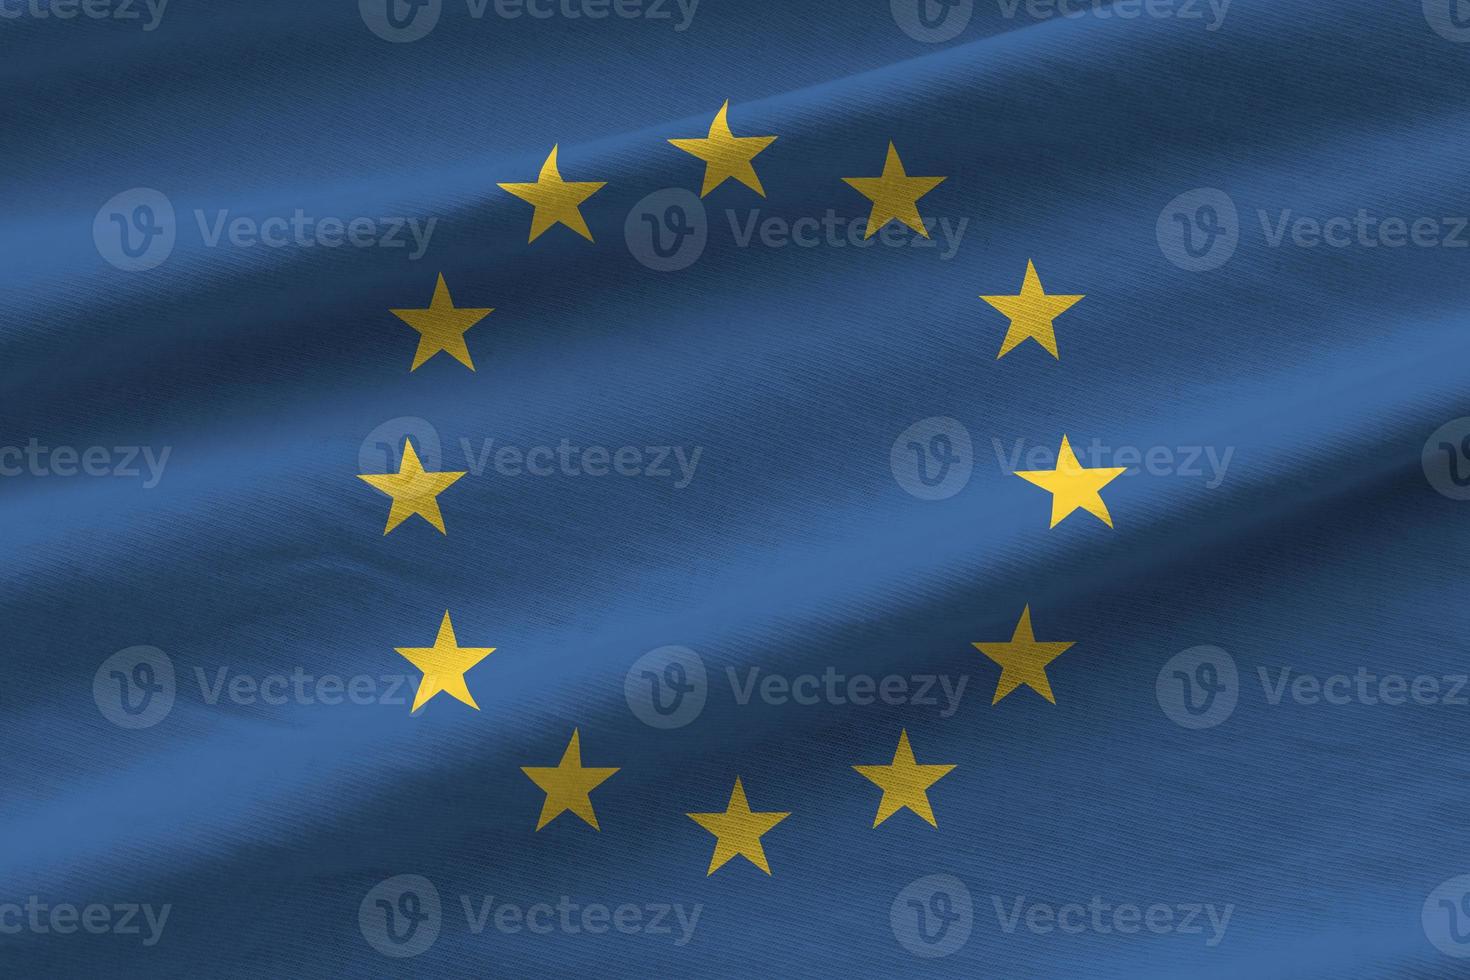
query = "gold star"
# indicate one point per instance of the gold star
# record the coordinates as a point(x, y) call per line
point(441, 327)
point(414, 491)
point(444, 665)
point(1031, 313)
point(726, 155)
point(555, 200)
point(567, 785)
point(738, 831)
point(894, 195)
point(904, 783)
point(1023, 660)
point(1073, 486)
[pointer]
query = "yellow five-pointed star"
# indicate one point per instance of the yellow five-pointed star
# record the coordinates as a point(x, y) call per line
point(894, 195)
point(1074, 486)
point(444, 665)
point(567, 785)
point(1031, 313)
point(904, 783)
point(726, 155)
point(442, 327)
point(413, 489)
point(555, 199)
point(738, 831)
point(1023, 660)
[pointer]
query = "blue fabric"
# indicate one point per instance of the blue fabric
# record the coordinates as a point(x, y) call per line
point(1324, 538)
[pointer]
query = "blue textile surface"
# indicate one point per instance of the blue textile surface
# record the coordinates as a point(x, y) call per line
point(739, 495)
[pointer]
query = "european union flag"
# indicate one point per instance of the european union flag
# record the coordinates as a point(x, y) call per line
point(707, 488)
